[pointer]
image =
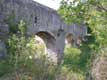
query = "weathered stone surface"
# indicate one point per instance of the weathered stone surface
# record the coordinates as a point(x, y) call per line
point(42, 20)
point(99, 69)
point(2, 50)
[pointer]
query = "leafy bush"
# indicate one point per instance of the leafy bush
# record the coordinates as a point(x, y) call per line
point(72, 56)
point(78, 60)
point(23, 61)
point(12, 23)
point(67, 74)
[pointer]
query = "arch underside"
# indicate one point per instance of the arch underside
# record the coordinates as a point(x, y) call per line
point(47, 38)
point(49, 41)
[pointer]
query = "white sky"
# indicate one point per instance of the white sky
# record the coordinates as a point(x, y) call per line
point(50, 3)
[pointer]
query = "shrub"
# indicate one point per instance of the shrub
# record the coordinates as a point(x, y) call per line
point(23, 61)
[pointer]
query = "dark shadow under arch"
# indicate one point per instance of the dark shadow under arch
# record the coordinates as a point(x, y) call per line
point(47, 38)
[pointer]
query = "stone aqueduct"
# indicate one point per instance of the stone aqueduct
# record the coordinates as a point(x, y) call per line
point(42, 21)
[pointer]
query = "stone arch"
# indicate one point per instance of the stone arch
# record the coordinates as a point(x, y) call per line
point(73, 41)
point(47, 37)
point(49, 41)
point(69, 39)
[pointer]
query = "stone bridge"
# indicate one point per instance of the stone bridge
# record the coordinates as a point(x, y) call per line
point(42, 21)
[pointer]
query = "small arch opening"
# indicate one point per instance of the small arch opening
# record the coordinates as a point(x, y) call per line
point(69, 40)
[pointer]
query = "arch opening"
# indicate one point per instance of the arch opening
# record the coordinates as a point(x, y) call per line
point(69, 41)
point(49, 44)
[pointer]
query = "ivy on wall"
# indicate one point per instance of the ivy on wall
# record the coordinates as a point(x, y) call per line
point(12, 23)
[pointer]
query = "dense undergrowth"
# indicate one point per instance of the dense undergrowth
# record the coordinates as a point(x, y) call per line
point(23, 61)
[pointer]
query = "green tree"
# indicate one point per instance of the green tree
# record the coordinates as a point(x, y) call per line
point(92, 13)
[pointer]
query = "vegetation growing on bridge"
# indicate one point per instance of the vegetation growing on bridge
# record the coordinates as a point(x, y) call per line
point(22, 64)
point(23, 61)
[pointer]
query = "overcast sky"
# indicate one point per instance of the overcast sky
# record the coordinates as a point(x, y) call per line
point(50, 3)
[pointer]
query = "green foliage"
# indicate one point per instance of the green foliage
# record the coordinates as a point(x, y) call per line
point(68, 74)
point(93, 13)
point(23, 61)
point(11, 21)
point(22, 27)
point(72, 57)
point(78, 61)
point(4, 67)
